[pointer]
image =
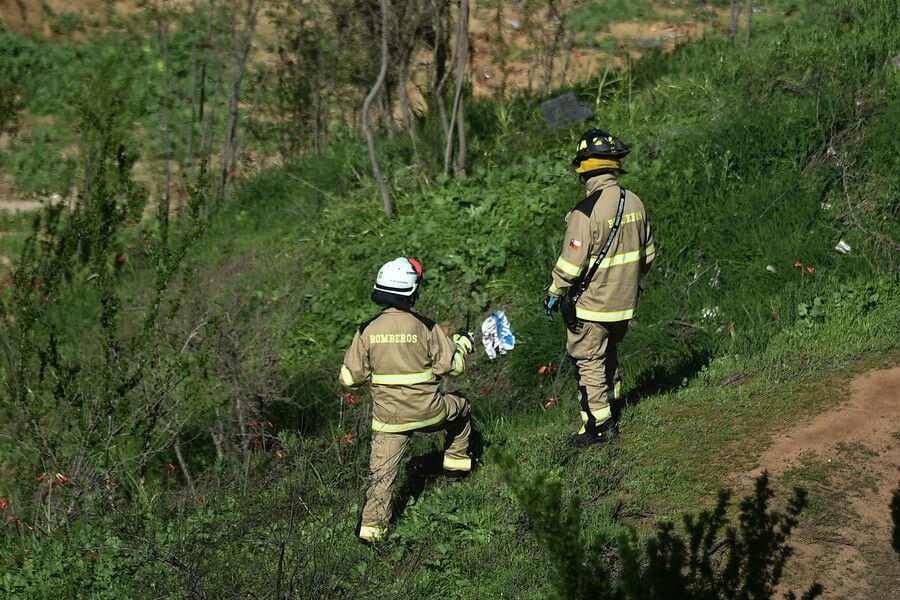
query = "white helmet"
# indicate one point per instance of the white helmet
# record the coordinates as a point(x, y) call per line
point(401, 276)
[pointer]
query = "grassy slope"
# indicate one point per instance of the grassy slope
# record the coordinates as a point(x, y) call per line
point(733, 171)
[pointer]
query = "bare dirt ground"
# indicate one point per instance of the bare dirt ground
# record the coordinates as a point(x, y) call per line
point(848, 458)
point(10, 201)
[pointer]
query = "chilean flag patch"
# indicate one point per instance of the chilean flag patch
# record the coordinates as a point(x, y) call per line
point(575, 244)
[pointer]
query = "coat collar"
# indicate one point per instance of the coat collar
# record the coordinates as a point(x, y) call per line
point(600, 182)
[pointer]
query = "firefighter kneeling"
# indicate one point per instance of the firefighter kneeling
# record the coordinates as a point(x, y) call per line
point(405, 355)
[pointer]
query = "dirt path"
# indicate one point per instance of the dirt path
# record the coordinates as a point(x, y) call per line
point(848, 458)
point(19, 205)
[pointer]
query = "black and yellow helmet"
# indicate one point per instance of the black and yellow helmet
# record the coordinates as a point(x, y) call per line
point(598, 150)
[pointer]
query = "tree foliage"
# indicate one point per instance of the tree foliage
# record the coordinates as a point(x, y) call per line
point(710, 560)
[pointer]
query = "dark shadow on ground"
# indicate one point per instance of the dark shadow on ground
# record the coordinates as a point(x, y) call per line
point(662, 378)
point(427, 469)
point(421, 471)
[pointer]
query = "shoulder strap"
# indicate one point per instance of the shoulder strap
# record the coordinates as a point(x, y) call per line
point(583, 284)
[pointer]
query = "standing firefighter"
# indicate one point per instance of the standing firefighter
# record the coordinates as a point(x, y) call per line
point(598, 299)
point(405, 355)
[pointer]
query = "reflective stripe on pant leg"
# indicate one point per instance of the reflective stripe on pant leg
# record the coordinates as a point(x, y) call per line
point(615, 392)
point(588, 348)
point(367, 532)
point(384, 463)
point(458, 428)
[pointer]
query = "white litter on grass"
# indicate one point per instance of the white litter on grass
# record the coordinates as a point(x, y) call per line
point(710, 313)
point(843, 247)
point(771, 269)
point(496, 335)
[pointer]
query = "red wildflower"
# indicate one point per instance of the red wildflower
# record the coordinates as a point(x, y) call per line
point(40, 477)
point(169, 467)
point(120, 260)
point(550, 403)
point(730, 326)
point(798, 264)
point(254, 423)
point(257, 442)
point(4, 503)
point(351, 399)
point(60, 478)
point(811, 269)
point(349, 438)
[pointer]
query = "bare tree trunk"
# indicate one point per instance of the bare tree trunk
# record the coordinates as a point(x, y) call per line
point(165, 199)
point(367, 105)
point(194, 49)
point(558, 35)
point(749, 22)
point(385, 114)
point(570, 44)
point(501, 43)
point(462, 148)
point(441, 73)
point(403, 97)
point(207, 119)
point(462, 50)
point(185, 469)
point(242, 53)
point(325, 114)
point(735, 13)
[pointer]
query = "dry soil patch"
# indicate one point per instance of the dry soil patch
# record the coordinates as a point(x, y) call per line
point(846, 544)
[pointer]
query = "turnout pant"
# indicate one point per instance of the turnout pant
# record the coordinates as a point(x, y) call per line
point(595, 351)
point(388, 450)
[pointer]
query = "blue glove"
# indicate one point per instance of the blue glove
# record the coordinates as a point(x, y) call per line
point(551, 303)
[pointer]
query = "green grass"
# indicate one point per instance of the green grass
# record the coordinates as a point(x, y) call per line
point(735, 172)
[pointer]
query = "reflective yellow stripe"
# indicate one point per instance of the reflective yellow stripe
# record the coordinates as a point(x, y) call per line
point(402, 378)
point(618, 259)
point(459, 364)
point(568, 267)
point(600, 415)
point(614, 393)
point(401, 427)
point(458, 464)
point(650, 250)
point(590, 315)
point(554, 290)
point(367, 532)
point(346, 377)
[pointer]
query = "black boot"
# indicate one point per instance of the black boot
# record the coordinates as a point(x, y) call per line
point(580, 440)
point(595, 435)
point(452, 477)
